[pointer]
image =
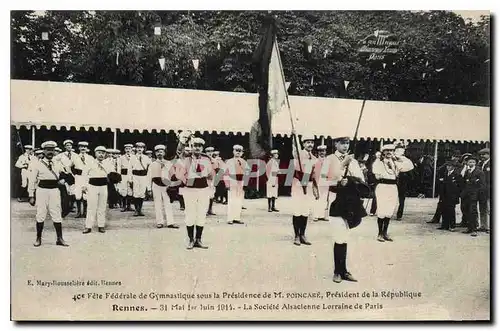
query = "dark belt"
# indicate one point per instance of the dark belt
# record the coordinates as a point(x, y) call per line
point(387, 181)
point(158, 181)
point(98, 181)
point(124, 171)
point(77, 172)
point(238, 177)
point(197, 183)
point(333, 189)
point(47, 183)
point(299, 175)
point(139, 172)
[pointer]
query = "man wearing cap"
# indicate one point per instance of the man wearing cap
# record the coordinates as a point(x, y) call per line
point(343, 172)
point(387, 170)
point(138, 166)
point(162, 172)
point(209, 152)
point(125, 186)
point(47, 175)
point(474, 182)
point(67, 158)
point(449, 194)
point(219, 166)
point(272, 170)
point(81, 167)
point(320, 209)
point(97, 190)
point(236, 168)
point(194, 172)
point(22, 163)
point(113, 164)
point(304, 188)
point(484, 196)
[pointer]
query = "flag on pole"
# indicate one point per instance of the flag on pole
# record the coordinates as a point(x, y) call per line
point(269, 76)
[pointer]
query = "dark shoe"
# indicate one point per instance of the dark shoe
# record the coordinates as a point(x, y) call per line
point(442, 228)
point(296, 241)
point(398, 219)
point(210, 213)
point(481, 229)
point(243, 208)
point(238, 222)
point(304, 241)
point(467, 231)
point(224, 203)
point(101, 230)
point(461, 225)
point(38, 242)
point(337, 278)
point(315, 219)
point(191, 244)
point(486, 231)
point(451, 229)
point(474, 234)
point(141, 214)
point(387, 238)
point(380, 238)
point(136, 213)
point(87, 230)
point(61, 242)
point(269, 210)
point(274, 209)
point(182, 208)
point(347, 276)
point(230, 222)
point(432, 222)
point(159, 226)
point(199, 244)
point(173, 226)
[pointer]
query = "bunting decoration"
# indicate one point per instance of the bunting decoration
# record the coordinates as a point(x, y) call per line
point(161, 60)
point(117, 57)
point(346, 83)
point(196, 64)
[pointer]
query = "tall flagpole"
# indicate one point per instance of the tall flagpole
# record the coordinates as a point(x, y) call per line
point(288, 104)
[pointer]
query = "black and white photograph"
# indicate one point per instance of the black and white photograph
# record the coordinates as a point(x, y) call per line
point(243, 165)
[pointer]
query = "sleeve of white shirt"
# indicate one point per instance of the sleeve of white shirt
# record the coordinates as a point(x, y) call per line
point(378, 169)
point(32, 180)
point(404, 164)
point(355, 170)
point(21, 162)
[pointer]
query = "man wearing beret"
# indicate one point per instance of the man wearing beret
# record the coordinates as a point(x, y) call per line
point(22, 163)
point(484, 196)
point(47, 175)
point(138, 166)
point(473, 184)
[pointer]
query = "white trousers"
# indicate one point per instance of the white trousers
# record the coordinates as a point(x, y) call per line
point(97, 198)
point(196, 201)
point(271, 191)
point(303, 204)
point(387, 199)
point(140, 184)
point(320, 208)
point(162, 203)
point(235, 197)
point(80, 181)
point(48, 201)
point(125, 186)
point(24, 178)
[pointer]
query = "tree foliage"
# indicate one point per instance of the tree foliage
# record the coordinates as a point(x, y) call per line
point(442, 58)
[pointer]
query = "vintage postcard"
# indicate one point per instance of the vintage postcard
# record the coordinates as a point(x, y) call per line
point(250, 165)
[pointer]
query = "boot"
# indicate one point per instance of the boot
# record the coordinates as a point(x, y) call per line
point(302, 229)
point(59, 241)
point(380, 222)
point(136, 207)
point(386, 226)
point(78, 208)
point(269, 204)
point(210, 204)
point(123, 202)
point(72, 203)
point(181, 202)
point(346, 275)
point(336, 263)
point(129, 202)
point(198, 243)
point(273, 204)
point(295, 221)
point(190, 231)
point(140, 203)
point(39, 230)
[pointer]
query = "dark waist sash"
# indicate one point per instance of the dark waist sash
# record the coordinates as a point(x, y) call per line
point(77, 172)
point(47, 183)
point(139, 172)
point(387, 181)
point(299, 175)
point(238, 177)
point(158, 181)
point(98, 181)
point(333, 189)
point(197, 183)
point(124, 171)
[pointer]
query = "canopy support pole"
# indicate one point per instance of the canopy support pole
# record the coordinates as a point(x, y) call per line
point(115, 133)
point(435, 170)
point(33, 136)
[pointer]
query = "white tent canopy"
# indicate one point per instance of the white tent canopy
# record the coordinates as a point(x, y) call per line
point(142, 108)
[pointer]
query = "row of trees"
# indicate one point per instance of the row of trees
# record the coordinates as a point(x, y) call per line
point(441, 58)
